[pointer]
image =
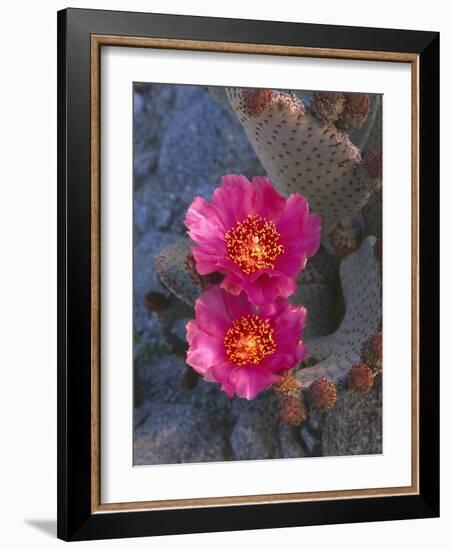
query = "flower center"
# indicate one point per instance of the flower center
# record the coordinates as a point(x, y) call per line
point(254, 244)
point(249, 340)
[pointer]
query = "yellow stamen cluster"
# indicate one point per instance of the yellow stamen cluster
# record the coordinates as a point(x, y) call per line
point(254, 244)
point(249, 340)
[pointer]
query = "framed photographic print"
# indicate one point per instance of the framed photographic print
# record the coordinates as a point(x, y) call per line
point(248, 274)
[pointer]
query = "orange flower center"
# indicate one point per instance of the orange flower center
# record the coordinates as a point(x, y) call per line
point(254, 244)
point(249, 340)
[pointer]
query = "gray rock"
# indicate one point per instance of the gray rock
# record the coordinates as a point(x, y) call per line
point(289, 442)
point(202, 143)
point(254, 436)
point(354, 425)
point(173, 434)
point(309, 440)
point(145, 279)
point(163, 218)
point(315, 420)
point(161, 381)
point(145, 162)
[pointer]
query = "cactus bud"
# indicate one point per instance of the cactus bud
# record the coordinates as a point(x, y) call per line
point(355, 112)
point(322, 394)
point(256, 100)
point(292, 411)
point(360, 378)
point(328, 106)
point(287, 385)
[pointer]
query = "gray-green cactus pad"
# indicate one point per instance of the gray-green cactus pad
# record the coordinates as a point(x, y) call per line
point(304, 155)
point(361, 284)
point(174, 274)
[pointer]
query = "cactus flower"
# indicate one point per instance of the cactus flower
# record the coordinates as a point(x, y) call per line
point(254, 236)
point(243, 347)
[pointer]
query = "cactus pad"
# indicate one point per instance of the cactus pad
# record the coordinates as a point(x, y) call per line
point(338, 352)
point(301, 154)
point(175, 272)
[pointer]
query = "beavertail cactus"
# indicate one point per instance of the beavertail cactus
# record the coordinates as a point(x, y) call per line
point(336, 353)
point(176, 272)
point(327, 148)
point(304, 154)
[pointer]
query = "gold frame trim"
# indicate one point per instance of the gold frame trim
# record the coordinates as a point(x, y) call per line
point(97, 41)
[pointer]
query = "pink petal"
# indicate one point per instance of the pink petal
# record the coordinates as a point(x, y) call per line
point(212, 315)
point(237, 306)
point(250, 381)
point(267, 288)
point(202, 221)
point(293, 220)
point(206, 262)
point(234, 199)
point(268, 202)
point(204, 351)
point(221, 372)
point(279, 362)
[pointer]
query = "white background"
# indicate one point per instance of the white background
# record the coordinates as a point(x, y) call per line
point(120, 482)
point(28, 275)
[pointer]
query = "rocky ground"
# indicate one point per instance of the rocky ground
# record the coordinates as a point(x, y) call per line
point(184, 141)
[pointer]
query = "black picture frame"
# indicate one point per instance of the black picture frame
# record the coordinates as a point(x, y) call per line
point(76, 521)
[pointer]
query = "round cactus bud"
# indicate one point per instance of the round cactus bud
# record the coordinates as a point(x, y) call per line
point(328, 106)
point(287, 385)
point(256, 100)
point(292, 411)
point(360, 378)
point(355, 112)
point(322, 394)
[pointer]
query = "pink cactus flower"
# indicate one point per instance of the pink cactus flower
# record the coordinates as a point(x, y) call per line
point(252, 235)
point(243, 347)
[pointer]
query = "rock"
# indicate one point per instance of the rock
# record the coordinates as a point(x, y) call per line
point(161, 381)
point(309, 440)
point(174, 434)
point(163, 218)
point(254, 436)
point(145, 280)
point(354, 425)
point(202, 143)
point(151, 105)
point(289, 443)
point(145, 162)
point(315, 420)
